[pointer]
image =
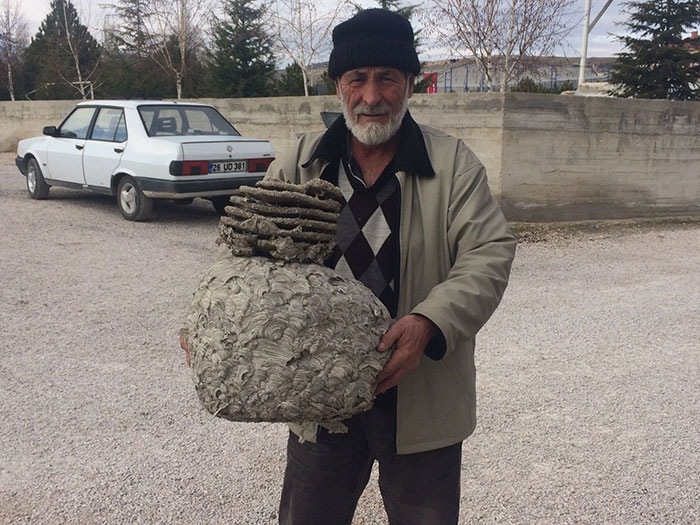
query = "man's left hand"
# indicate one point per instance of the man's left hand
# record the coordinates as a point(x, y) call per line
point(185, 346)
point(411, 335)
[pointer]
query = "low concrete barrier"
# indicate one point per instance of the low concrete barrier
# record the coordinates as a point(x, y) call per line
point(575, 158)
point(549, 158)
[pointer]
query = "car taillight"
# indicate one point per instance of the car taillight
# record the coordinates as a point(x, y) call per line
point(258, 165)
point(189, 167)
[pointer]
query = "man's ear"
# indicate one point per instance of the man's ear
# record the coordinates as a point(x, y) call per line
point(411, 82)
point(337, 87)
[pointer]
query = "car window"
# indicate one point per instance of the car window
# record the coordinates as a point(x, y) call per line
point(77, 124)
point(199, 122)
point(107, 125)
point(167, 121)
point(120, 135)
point(162, 121)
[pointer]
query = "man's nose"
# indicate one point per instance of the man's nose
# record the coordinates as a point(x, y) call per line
point(371, 94)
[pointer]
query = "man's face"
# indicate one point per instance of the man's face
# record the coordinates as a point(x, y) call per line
point(374, 102)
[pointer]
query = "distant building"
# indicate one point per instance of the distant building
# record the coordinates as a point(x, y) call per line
point(458, 76)
point(693, 43)
point(462, 75)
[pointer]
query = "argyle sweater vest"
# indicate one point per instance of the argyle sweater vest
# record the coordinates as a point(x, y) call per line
point(367, 235)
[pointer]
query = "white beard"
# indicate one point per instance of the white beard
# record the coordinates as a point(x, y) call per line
point(374, 133)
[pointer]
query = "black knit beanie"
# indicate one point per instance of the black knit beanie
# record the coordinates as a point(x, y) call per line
point(374, 37)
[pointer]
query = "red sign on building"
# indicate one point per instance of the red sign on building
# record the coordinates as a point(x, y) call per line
point(432, 82)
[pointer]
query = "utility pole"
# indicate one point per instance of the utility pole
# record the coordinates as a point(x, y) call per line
point(584, 44)
point(587, 28)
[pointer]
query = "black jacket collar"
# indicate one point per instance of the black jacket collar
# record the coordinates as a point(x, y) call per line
point(411, 156)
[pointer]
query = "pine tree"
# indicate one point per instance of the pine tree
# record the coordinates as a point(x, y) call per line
point(408, 10)
point(131, 35)
point(242, 62)
point(63, 56)
point(656, 63)
point(292, 82)
point(127, 63)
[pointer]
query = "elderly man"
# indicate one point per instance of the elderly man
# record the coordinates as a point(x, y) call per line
point(422, 231)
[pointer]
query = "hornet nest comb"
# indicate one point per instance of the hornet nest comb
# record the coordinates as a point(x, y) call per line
point(273, 334)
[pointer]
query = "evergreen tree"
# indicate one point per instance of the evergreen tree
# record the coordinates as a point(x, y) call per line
point(330, 85)
point(656, 64)
point(131, 35)
point(128, 76)
point(63, 56)
point(528, 85)
point(127, 64)
point(242, 61)
point(292, 82)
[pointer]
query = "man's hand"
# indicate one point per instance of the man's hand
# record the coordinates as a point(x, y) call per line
point(411, 335)
point(185, 346)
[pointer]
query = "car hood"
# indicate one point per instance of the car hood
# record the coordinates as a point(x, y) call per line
point(32, 144)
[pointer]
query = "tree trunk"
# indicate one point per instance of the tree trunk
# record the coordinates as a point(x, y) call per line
point(306, 87)
point(182, 44)
point(74, 53)
point(508, 48)
point(10, 85)
point(489, 70)
point(489, 46)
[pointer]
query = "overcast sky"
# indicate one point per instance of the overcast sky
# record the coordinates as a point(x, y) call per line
point(600, 41)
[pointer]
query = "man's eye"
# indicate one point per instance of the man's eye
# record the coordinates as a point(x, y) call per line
point(389, 79)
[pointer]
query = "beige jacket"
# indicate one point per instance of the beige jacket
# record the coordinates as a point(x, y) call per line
point(456, 252)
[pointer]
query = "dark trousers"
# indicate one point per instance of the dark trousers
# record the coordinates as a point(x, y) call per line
point(323, 481)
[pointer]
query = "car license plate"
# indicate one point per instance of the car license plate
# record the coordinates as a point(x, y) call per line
point(231, 166)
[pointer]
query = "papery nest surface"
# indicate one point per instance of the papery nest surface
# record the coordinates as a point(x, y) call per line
point(273, 335)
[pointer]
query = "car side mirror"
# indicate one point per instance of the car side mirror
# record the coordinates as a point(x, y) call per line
point(50, 131)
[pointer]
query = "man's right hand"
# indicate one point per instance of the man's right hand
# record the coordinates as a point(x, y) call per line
point(185, 346)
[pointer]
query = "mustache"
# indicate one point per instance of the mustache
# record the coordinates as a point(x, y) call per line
point(365, 109)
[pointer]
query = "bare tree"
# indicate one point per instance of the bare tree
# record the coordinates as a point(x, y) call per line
point(13, 37)
point(77, 41)
point(506, 37)
point(302, 32)
point(175, 28)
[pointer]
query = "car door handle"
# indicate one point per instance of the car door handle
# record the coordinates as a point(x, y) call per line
point(79, 146)
point(119, 150)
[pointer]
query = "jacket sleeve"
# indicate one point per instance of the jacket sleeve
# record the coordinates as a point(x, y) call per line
point(482, 250)
point(287, 167)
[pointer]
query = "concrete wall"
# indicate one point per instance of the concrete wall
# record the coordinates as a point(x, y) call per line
point(22, 119)
point(571, 158)
point(548, 157)
point(477, 119)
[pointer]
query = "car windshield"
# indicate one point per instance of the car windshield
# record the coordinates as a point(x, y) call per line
point(182, 120)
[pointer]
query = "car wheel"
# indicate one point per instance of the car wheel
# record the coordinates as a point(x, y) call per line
point(133, 204)
point(36, 185)
point(220, 203)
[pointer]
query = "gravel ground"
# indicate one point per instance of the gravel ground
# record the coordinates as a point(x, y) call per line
point(589, 374)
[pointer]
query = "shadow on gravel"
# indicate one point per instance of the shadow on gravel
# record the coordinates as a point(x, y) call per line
point(530, 232)
point(199, 212)
point(164, 211)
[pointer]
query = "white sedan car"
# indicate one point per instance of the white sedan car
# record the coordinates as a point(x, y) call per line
point(143, 150)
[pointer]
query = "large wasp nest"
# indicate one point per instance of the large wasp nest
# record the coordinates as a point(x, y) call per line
point(273, 335)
